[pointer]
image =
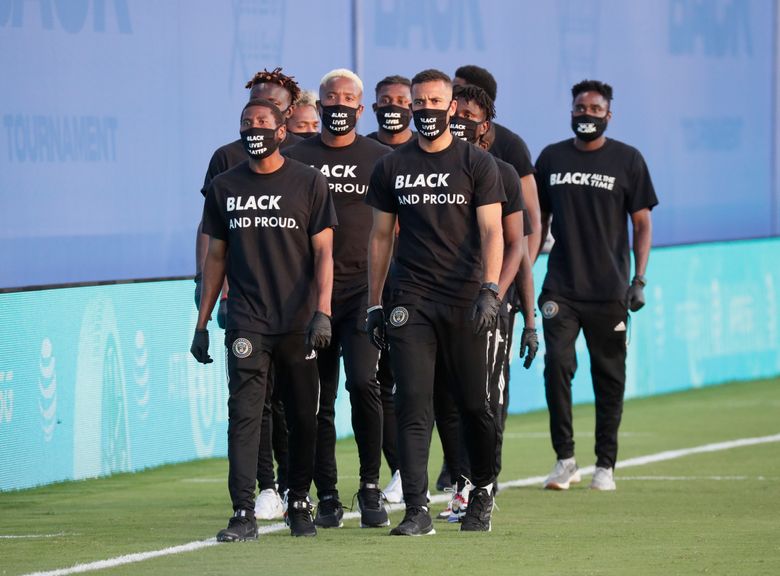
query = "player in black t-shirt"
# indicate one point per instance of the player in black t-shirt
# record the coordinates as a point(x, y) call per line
point(393, 115)
point(471, 121)
point(590, 186)
point(505, 144)
point(347, 161)
point(393, 96)
point(446, 195)
point(282, 91)
point(270, 223)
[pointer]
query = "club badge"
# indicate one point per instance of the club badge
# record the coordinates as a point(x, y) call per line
point(242, 347)
point(549, 309)
point(399, 316)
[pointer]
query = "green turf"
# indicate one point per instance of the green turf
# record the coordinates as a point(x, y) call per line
point(666, 518)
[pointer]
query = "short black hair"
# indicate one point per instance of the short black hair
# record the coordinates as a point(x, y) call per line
point(390, 80)
point(275, 76)
point(472, 93)
point(278, 116)
point(479, 77)
point(430, 75)
point(592, 86)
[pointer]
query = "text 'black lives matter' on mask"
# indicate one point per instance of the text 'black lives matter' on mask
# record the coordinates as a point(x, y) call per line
point(339, 119)
point(393, 118)
point(464, 129)
point(587, 127)
point(259, 143)
point(430, 123)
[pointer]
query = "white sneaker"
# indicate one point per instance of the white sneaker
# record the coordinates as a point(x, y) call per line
point(602, 479)
point(268, 505)
point(394, 491)
point(460, 503)
point(564, 474)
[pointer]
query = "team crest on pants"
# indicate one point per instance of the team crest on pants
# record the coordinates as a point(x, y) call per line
point(242, 347)
point(399, 316)
point(549, 309)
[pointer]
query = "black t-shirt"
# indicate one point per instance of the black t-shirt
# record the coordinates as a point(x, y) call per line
point(511, 148)
point(229, 155)
point(267, 221)
point(513, 189)
point(375, 136)
point(590, 195)
point(348, 170)
point(436, 197)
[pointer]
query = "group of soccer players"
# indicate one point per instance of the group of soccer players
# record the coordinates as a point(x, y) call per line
point(406, 255)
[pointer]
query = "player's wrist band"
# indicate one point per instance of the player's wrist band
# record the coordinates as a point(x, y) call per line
point(372, 308)
point(492, 286)
point(641, 280)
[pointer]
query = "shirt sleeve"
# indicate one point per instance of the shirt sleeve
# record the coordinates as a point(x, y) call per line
point(214, 222)
point(488, 188)
point(323, 213)
point(217, 165)
point(641, 193)
point(379, 195)
point(520, 157)
point(513, 190)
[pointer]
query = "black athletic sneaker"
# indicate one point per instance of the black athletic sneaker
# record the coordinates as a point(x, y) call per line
point(373, 513)
point(477, 518)
point(241, 526)
point(330, 513)
point(416, 522)
point(299, 518)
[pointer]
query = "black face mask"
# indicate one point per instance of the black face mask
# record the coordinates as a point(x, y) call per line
point(588, 128)
point(305, 134)
point(259, 143)
point(464, 129)
point(339, 119)
point(430, 123)
point(393, 118)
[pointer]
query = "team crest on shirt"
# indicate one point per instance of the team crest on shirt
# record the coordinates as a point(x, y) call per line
point(549, 309)
point(399, 316)
point(241, 347)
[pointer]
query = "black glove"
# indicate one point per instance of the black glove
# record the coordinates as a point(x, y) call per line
point(635, 297)
point(529, 345)
point(200, 347)
point(485, 310)
point(376, 327)
point(198, 282)
point(318, 333)
point(222, 313)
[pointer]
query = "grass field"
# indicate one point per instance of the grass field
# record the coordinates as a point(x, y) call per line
point(706, 513)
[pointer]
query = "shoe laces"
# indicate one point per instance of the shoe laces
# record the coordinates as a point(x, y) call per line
point(369, 497)
point(239, 518)
point(481, 500)
point(329, 505)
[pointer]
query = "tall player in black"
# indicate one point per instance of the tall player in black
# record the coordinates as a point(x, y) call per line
point(282, 91)
point(505, 144)
point(447, 196)
point(347, 159)
point(590, 186)
point(471, 121)
point(270, 223)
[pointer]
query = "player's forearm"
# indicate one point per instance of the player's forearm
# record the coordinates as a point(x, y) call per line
point(531, 199)
point(525, 278)
point(323, 277)
point(513, 251)
point(201, 246)
point(539, 242)
point(213, 275)
point(380, 249)
point(643, 238)
point(492, 254)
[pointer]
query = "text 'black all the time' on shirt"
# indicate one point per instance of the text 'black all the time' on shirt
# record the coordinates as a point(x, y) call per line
point(590, 196)
point(229, 155)
point(267, 221)
point(436, 196)
point(348, 170)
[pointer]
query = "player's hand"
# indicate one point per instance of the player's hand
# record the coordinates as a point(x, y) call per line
point(200, 346)
point(318, 333)
point(485, 310)
point(198, 283)
point(376, 327)
point(635, 296)
point(529, 345)
point(222, 313)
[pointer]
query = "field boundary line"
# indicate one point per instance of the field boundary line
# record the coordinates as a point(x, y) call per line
point(200, 544)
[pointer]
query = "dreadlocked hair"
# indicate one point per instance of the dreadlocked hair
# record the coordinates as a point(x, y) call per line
point(473, 93)
point(276, 77)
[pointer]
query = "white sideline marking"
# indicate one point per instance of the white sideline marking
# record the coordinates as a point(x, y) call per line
point(693, 478)
point(15, 536)
point(197, 545)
